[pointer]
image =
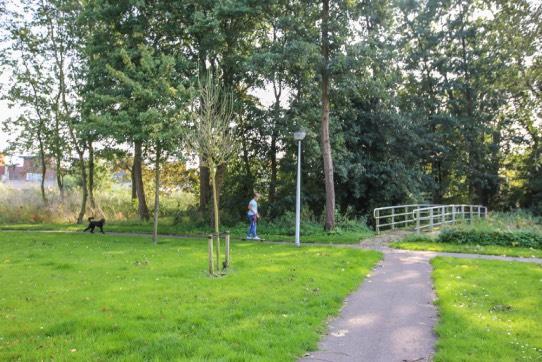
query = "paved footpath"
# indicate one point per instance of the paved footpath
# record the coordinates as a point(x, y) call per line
point(391, 317)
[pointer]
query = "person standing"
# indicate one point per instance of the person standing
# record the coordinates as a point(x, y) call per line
point(253, 217)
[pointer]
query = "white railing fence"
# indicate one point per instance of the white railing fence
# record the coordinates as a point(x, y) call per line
point(395, 217)
point(423, 217)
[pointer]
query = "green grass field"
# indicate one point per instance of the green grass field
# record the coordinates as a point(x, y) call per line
point(489, 310)
point(469, 249)
point(103, 297)
point(166, 227)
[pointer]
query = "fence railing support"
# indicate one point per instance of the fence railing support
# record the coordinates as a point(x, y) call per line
point(418, 221)
point(424, 216)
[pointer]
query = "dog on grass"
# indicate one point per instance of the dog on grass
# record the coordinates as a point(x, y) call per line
point(93, 224)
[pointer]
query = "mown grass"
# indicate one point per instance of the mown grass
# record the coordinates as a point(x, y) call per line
point(468, 248)
point(104, 297)
point(489, 310)
point(167, 227)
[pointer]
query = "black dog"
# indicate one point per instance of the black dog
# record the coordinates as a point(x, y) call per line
point(95, 224)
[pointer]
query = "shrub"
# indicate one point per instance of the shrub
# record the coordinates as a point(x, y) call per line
point(483, 237)
point(417, 238)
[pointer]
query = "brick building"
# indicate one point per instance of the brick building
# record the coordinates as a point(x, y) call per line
point(27, 171)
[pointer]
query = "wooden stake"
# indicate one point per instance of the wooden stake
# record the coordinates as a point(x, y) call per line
point(217, 251)
point(210, 251)
point(227, 261)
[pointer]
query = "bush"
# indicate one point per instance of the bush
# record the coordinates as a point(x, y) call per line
point(418, 238)
point(518, 220)
point(526, 239)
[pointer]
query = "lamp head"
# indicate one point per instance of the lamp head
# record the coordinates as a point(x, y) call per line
point(299, 135)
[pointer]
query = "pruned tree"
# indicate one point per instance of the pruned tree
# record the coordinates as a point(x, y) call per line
point(211, 136)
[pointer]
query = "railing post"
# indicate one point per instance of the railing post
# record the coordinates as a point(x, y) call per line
point(210, 251)
point(478, 211)
point(431, 218)
point(463, 212)
point(470, 214)
point(485, 212)
point(453, 214)
point(417, 221)
point(443, 216)
point(377, 219)
point(393, 218)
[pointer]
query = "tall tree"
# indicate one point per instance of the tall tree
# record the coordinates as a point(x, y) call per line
point(324, 130)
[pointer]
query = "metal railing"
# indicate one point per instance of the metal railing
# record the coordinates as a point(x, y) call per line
point(424, 216)
point(394, 217)
point(427, 218)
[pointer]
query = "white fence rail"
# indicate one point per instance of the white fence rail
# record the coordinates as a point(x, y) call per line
point(424, 216)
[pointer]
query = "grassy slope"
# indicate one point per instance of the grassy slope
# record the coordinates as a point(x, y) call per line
point(467, 248)
point(167, 227)
point(489, 310)
point(96, 297)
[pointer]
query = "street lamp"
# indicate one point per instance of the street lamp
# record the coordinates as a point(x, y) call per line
point(298, 136)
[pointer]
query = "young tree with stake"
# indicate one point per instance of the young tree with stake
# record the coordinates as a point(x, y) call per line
point(211, 136)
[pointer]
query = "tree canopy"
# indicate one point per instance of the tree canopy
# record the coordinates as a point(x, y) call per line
point(402, 101)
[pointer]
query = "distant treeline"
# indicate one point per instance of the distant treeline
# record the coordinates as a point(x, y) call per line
point(436, 100)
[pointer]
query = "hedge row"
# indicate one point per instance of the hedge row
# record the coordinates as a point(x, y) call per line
point(504, 238)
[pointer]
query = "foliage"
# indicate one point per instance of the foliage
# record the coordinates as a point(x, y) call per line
point(516, 229)
point(431, 245)
point(24, 206)
point(512, 233)
point(488, 310)
point(428, 100)
point(414, 238)
point(503, 238)
point(519, 220)
point(113, 290)
point(174, 176)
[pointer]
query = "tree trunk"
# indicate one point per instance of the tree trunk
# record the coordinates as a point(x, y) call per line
point(59, 180)
point(214, 171)
point(273, 179)
point(43, 168)
point(132, 176)
point(218, 182)
point(324, 131)
point(156, 195)
point(143, 210)
point(203, 188)
point(40, 141)
point(248, 180)
point(84, 189)
point(91, 175)
point(277, 92)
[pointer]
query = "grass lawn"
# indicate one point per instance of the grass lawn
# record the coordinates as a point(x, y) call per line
point(489, 310)
point(167, 227)
point(468, 248)
point(103, 297)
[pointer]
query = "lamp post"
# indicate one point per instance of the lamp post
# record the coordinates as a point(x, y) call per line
point(298, 136)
